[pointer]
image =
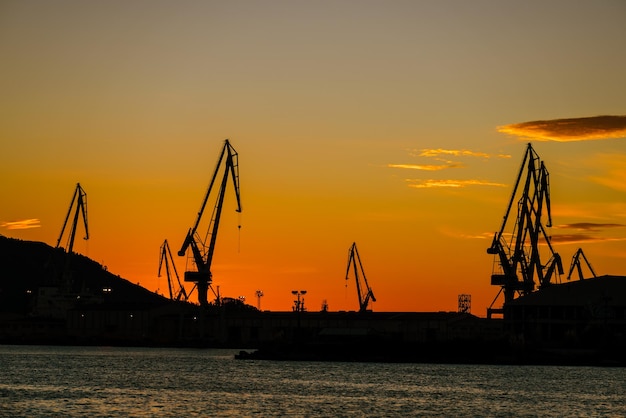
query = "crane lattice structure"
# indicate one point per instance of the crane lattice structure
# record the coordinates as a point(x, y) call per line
point(176, 289)
point(79, 205)
point(203, 248)
point(518, 267)
point(363, 290)
point(465, 303)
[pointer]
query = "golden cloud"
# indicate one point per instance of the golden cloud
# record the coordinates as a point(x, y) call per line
point(585, 236)
point(579, 238)
point(457, 153)
point(437, 153)
point(589, 226)
point(428, 184)
point(573, 129)
point(426, 167)
point(615, 172)
point(23, 224)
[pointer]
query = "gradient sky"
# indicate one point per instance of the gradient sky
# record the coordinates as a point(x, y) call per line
point(398, 125)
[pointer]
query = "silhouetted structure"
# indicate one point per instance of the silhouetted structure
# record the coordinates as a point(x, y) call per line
point(520, 256)
point(201, 250)
point(580, 322)
point(176, 289)
point(79, 204)
point(363, 289)
point(465, 303)
point(583, 313)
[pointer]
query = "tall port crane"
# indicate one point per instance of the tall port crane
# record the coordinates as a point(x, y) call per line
point(363, 290)
point(202, 248)
point(80, 200)
point(79, 205)
point(576, 264)
point(517, 252)
point(176, 289)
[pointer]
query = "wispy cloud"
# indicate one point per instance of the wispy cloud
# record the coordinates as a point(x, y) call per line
point(438, 154)
point(22, 224)
point(572, 129)
point(483, 236)
point(614, 167)
point(585, 235)
point(588, 226)
point(578, 238)
point(427, 167)
point(428, 152)
point(428, 184)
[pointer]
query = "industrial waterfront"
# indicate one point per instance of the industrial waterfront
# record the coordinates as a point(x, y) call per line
point(313, 209)
point(61, 297)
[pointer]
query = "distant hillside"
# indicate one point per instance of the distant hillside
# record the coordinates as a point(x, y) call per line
point(25, 266)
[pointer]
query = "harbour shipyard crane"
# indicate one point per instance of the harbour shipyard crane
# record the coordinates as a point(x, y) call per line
point(517, 252)
point(79, 202)
point(576, 264)
point(363, 290)
point(202, 251)
point(63, 291)
point(177, 290)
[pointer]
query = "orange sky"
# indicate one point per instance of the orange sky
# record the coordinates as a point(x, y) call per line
point(395, 125)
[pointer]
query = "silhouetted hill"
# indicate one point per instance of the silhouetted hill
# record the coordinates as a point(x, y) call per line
point(27, 266)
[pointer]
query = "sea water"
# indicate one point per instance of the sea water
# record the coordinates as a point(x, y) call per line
point(47, 381)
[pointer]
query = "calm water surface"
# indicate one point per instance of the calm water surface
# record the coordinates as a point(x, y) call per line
point(39, 381)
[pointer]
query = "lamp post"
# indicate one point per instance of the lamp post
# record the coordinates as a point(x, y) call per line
point(298, 303)
point(259, 295)
point(298, 308)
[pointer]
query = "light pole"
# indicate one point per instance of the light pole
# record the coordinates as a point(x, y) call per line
point(298, 303)
point(259, 294)
point(298, 308)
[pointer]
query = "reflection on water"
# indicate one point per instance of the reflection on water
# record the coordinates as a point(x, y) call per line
point(106, 381)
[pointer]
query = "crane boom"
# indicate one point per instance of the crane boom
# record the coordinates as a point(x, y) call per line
point(202, 251)
point(363, 290)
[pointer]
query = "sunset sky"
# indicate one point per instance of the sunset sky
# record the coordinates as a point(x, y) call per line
point(398, 125)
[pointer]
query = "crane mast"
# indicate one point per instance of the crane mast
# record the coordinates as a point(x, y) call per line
point(363, 290)
point(176, 293)
point(521, 254)
point(202, 251)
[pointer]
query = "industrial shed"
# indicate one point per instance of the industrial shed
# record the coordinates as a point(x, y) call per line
point(584, 312)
